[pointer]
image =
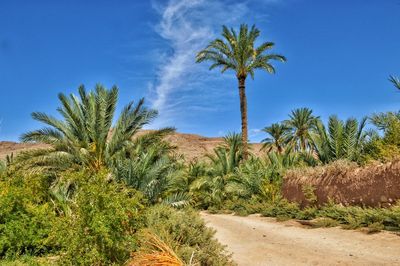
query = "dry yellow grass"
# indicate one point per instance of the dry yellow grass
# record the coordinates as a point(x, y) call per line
point(154, 252)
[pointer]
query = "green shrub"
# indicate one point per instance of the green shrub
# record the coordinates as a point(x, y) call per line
point(282, 209)
point(186, 233)
point(102, 227)
point(25, 217)
point(374, 228)
point(309, 194)
point(307, 213)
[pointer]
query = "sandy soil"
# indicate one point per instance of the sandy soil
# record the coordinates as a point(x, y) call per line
point(255, 240)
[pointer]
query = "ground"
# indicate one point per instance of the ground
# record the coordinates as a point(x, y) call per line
point(256, 240)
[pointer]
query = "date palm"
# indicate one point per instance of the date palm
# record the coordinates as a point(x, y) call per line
point(277, 139)
point(237, 52)
point(301, 124)
point(83, 138)
point(340, 140)
point(227, 157)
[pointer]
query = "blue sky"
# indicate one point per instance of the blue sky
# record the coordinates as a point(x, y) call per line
point(340, 54)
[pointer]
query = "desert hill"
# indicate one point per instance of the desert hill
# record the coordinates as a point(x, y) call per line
point(191, 146)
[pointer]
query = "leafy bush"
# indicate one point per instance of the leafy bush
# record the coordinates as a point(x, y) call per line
point(282, 209)
point(102, 227)
point(186, 233)
point(25, 217)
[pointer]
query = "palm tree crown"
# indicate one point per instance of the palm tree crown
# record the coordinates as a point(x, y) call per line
point(341, 140)
point(237, 52)
point(83, 136)
point(301, 124)
point(278, 137)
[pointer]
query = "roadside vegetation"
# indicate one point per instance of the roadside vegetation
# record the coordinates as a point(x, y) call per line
point(106, 192)
point(100, 192)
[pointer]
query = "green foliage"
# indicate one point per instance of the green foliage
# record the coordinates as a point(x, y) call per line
point(283, 161)
point(386, 148)
point(3, 168)
point(148, 167)
point(301, 124)
point(309, 194)
point(227, 156)
point(25, 217)
point(341, 140)
point(330, 214)
point(227, 180)
point(383, 120)
point(210, 188)
point(105, 217)
point(282, 209)
point(254, 179)
point(186, 233)
point(380, 151)
point(277, 139)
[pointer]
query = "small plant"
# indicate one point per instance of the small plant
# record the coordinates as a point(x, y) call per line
point(325, 222)
point(309, 194)
point(374, 228)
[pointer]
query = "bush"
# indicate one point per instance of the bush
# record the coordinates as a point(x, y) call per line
point(25, 217)
point(185, 232)
point(282, 209)
point(102, 227)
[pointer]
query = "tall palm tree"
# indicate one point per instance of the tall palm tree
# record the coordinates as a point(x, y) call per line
point(237, 52)
point(395, 81)
point(301, 123)
point(278, 137)
point(83, 138)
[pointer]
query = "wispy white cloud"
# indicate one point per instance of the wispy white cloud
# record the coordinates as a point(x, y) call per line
point(183, 88)
point(187, 26)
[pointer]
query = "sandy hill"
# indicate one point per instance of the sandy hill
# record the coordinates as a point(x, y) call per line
point(192, 146)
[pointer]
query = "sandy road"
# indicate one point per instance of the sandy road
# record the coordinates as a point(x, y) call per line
point(255, 240)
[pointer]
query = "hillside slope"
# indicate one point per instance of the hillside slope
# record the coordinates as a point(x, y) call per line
point(191, 146)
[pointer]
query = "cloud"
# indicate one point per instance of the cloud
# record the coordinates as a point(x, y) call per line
point(187, 26)
point(183, 90)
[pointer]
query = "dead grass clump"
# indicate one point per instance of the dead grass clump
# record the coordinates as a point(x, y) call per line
point(154, 252)
point(335, 169)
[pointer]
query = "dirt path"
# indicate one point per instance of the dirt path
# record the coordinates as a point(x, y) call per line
point(255, 240)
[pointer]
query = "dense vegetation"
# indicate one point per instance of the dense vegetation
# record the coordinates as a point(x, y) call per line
point(95, 196)
point(106, 193)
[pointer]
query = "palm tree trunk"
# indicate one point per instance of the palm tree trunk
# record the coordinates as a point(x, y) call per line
point(243, 112)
